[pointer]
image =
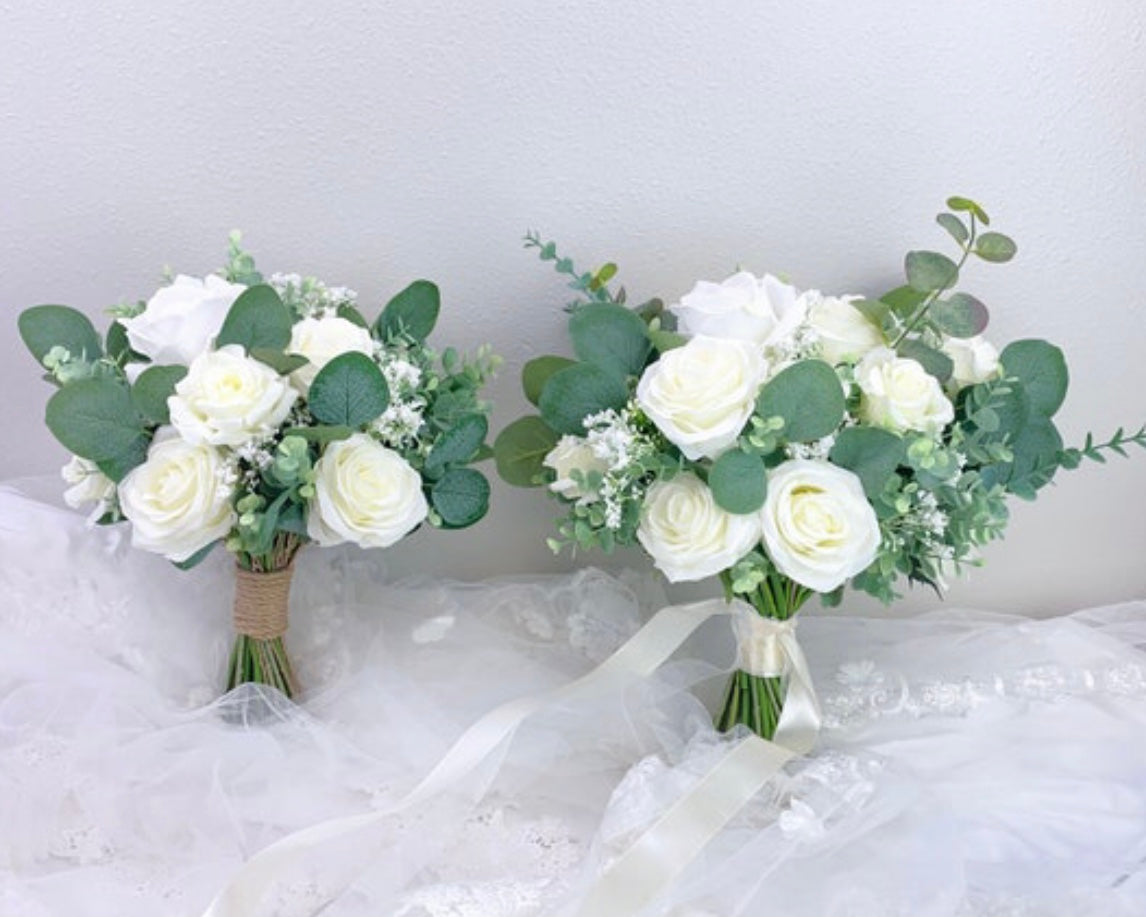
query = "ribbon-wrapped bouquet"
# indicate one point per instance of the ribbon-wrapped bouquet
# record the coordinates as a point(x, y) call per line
point(791, 442)
point(264, 414)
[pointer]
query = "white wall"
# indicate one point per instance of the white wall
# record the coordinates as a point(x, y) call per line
point(372, 143)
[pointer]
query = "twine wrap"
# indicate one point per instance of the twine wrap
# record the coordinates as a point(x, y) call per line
point(261, 602)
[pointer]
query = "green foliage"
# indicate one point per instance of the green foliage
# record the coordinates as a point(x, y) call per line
point(664, 341)
point(282, 363)
point(536, 373)
point(934, 361)
point(520, 449)
point(460, 497)
point(348, 391)
point(257, 320)
point(871, 453)
point(1072, 458)
point(610, 336)
point(572, 394)
point(995, 247)
point(808, 396)
point(457, 445)
point(412, 313)
point(592, 286)
point(966, 205)
point(44, 327)
point(739, 482)
point(960, 315)
point(954, 226)
point(152, 389)
point(240, 265)
point(198, 557)
point(97, 420)
point(1041, 370)
point(930, 271)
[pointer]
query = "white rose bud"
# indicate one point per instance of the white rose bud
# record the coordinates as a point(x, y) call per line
point(845, 333)
point(320, 340)
point(177, 501)
point(976, 360)
point(900, 395)
point(181, 319)
point(743, 308)
point(687, 535)
point(228, 399)
point(572, 453)
point(701, 395)
point(364, 493)
point(819, 529)
point(89, 485)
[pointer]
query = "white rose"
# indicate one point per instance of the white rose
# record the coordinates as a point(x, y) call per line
point(845, 333)
point(819, 528)
point(364, 493)
point(181, 319)
point(743, 307)
point(89, 485)
point(178, 501)
point(701, 395)
point(687, 535)
point(976, 360)
point(572, 453)
point(899, 394)
point(320, 340)
point(228, 399)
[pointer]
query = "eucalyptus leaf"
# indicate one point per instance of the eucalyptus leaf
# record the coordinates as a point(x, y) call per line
point(664, 341)
point(198, 557)
point(282, 363)
point(96, 419)
point(352, 315)
point(45, 327)
point(929, 271)
point(413, 312)
point(954, 226)
point(934, 361)
point(320, 434)
point(960, 315)
point(537, 371)
point(611, 337)
point(966, 205)
point(739, 482)
point(348, 391)
point(1041, 369)
point(152, 389)
point(520, 449)
point(461, 497)
point(995, 247)
point(872, 454)
point(904, 300)
point(573, 393)
point(256, 320)
point(810, 398)
point(456, 445)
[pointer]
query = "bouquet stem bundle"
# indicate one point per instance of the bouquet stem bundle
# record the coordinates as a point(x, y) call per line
point(262, 597)
point(753, 700)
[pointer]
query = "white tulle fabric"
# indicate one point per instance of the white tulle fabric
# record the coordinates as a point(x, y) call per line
point(971, 764)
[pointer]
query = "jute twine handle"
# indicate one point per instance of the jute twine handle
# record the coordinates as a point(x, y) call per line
point(261, 601)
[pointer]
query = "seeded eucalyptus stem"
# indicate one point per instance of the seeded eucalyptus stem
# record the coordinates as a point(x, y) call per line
point(753, 700)
point(264, 662)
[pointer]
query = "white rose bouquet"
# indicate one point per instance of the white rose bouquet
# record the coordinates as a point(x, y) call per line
point(263, 414)
point(792, 442)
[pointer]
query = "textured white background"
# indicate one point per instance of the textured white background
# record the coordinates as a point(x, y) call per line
point(373, 143)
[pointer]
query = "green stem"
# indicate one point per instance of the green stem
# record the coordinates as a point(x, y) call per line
point(934, 294)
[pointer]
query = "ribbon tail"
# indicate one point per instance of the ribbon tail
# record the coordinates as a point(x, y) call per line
point(800, 718)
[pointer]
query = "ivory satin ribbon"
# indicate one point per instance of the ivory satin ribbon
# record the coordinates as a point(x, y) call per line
point(638, 875)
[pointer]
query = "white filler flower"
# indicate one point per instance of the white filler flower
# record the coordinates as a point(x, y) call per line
point(181, 319)
point(900, 395)
point(229, 399)
point(89, 485)
point(701, 395)
point(744, 307)
point(364, 493)
point(320, 340)
point(178, 501)
point(687, 535)
point(819, 528)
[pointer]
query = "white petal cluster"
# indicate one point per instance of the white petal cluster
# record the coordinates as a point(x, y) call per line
point(320, 340)
point(181, 320)
point(900, 395)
